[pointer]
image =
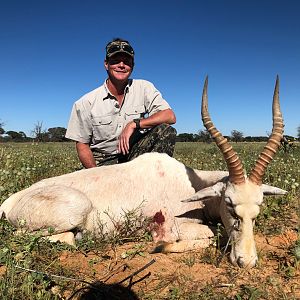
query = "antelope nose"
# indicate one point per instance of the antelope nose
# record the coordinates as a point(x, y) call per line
point(243, 264)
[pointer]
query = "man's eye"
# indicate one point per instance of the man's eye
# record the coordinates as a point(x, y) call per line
point(117, 61)
point(114, 62)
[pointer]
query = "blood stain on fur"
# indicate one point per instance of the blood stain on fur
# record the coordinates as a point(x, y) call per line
point(159, 218)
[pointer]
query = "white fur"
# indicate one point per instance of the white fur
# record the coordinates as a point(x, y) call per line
point(155, 182)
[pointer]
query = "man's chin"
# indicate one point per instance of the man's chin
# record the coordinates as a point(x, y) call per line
point(122, 78)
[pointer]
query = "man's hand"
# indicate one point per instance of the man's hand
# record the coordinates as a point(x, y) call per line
point(125, 136)
point(164, 116)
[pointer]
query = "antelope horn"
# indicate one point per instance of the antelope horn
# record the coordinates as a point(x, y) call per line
point(235, 167)
point(273, 143)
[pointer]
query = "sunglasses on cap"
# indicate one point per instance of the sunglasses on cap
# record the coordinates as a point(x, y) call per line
point(117, 47)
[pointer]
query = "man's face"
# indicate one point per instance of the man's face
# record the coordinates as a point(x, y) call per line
point(119, 66)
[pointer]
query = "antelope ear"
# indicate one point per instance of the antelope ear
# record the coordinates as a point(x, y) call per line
point(209, 192)
point(269, 190)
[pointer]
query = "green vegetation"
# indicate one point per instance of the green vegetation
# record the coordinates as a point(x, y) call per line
point(33, 268)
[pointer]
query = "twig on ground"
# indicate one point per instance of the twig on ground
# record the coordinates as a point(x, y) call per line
point(137, 272)
point(93, 286)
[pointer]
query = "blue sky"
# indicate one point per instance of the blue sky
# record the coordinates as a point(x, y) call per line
point(52, 53)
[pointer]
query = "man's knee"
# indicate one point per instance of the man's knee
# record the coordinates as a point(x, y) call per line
point(160, 138)
point(165, 131)
point(168, 134)
point(165, 137)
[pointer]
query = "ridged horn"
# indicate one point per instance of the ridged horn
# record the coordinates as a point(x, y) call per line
point(234, 165)
point(273, 143)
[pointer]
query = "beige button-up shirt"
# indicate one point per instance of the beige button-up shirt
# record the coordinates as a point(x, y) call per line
point(97, 118)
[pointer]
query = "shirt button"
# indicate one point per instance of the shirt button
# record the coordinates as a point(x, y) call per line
point(117, 105)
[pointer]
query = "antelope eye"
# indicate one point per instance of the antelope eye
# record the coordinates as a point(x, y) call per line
point(236, 225)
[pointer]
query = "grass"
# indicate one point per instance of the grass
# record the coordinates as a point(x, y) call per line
point(276, 276)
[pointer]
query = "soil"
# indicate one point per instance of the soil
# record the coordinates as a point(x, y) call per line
point(165, 274)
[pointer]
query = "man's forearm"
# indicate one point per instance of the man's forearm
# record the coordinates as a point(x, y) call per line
point(166, 116)
point(85, 155)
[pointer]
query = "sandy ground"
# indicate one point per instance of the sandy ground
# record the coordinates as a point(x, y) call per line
point(193, 270)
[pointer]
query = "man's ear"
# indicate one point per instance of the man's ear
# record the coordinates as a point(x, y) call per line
point(106, 65)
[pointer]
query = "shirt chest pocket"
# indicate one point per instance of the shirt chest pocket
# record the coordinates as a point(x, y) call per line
point(135, 112)
point(103, 127)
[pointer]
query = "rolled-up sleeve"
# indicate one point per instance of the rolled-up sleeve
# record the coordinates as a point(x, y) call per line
point(154, 101)
point(79, 126)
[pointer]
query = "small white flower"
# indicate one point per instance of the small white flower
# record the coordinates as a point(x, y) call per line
point(22, 222)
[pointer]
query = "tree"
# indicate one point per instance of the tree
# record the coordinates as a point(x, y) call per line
point(185, 137)
point(16, 136)
point(237, 136)
point(23, 134)
point(204, 136)
point(39, 133)
point(57, 134)
point(2, 131)
point(298, 132)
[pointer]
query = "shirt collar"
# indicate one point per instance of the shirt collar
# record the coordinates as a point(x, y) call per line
point(109, 95)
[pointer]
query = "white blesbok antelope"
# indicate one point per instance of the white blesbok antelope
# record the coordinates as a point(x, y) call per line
point(79, 201)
